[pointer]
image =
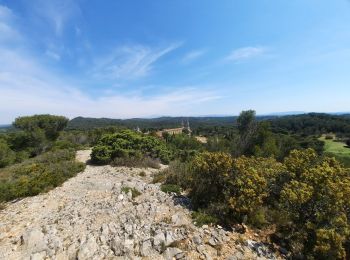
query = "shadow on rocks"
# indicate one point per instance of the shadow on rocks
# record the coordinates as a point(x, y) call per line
point(182, 201)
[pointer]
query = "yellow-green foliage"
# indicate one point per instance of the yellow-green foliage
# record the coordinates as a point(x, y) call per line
point(211, 172)
point(236, 186)
point(307, 197)
point(252, 181)
point(317, 199)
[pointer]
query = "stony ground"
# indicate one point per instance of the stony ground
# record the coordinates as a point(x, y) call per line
point(92, 216)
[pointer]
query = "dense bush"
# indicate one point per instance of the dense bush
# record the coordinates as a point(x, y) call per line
point(306, 197)
point(38, 175)
point(210, 174)
point(49, 124)
point(316, 199)
point(127, 143)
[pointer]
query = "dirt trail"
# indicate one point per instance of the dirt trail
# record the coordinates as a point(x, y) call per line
point(94, 216)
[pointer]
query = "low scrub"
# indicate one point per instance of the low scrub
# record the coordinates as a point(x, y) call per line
point(178, 173)
point(134, 191)
point(171, 188)
point(201, 218)
point(139, 162)
point(38, 175)
point(159, 177)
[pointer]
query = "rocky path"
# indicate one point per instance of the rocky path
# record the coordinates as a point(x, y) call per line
point(95, 216)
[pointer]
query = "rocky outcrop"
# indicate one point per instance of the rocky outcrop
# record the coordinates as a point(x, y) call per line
point(91, 217)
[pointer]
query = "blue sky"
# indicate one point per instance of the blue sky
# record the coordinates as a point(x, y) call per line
point(134, 58)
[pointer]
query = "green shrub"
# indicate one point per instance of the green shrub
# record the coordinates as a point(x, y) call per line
point(127, 143)
point(171, 188)
point(101, 154)
point(134, 191)
point(259, 217)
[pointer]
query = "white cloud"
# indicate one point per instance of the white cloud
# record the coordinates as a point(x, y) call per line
point(130, 62)
point(193, 55)
point(245, 53)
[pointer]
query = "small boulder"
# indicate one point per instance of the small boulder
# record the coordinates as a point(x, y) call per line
point(146, 248)
point(179, 219)
point(88, 249)
point(172, 252)
point(34, 240)
point(38, 256)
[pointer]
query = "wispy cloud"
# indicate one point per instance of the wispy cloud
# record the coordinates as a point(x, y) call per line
point(33, 91)
point(193, 55)
point(7, 30)
point(56, 12)
point(29, 87)
point(53, 55)
point(130, 62)
point(245, 53)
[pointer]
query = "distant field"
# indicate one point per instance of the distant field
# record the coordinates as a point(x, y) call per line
point(337, 149)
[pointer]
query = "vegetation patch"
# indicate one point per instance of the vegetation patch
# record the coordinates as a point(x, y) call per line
point(201, 218)
point(288, 195)
point(338, 149)
point(159, 177)
point(134, 191)
point(171, 188)
point(140, 162)
point(39, 174)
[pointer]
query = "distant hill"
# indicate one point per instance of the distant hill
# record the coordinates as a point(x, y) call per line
point(4, 128)
point(308, 124)
point(152, 123)
point(312, 123)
